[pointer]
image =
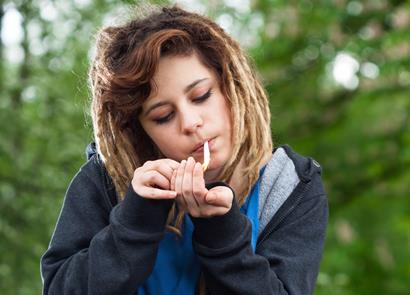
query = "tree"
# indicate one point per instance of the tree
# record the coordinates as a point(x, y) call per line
point(338, 81)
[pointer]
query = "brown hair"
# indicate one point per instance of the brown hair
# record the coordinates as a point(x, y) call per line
point(121, 74)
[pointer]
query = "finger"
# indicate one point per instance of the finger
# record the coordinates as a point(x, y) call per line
point(154, 178)
point(163, 166)
point(179, 179)
point(156, 193)
point(198, 184)
point(187, 189)
point(168, 162)
point(212, 198)
point(174, 176)
point(220, 196)
point(181, 203)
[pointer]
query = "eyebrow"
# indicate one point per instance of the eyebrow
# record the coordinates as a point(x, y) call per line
point(187, 88)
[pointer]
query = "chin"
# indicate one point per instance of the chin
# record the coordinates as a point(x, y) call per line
point(213, 171)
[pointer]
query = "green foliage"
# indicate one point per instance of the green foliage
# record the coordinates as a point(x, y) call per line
point(359, 132)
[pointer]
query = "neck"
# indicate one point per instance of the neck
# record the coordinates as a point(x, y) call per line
point(212, 175)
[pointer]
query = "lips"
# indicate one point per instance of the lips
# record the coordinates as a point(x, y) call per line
point(200, 146)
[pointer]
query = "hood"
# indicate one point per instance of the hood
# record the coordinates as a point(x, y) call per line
point(91, 150)
point(284, 171)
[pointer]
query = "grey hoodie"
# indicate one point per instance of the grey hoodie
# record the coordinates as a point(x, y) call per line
point(102, 246)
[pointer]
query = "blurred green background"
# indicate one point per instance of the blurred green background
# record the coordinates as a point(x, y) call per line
point(338, 76)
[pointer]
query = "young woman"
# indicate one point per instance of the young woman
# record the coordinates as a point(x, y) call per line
point(143, 215)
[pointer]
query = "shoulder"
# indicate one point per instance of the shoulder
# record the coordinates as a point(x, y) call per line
point(288, 180)
point(309, 191)
point(307, 169)
point(89, 174)
point(93, 183)
point(95, 168)
point(287, 169)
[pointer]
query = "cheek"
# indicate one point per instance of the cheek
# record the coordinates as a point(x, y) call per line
point(155, 134)
point(169, 148)
point(225, 117)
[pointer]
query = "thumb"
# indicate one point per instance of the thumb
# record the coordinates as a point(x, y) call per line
point(210, 197)
point(219, 197)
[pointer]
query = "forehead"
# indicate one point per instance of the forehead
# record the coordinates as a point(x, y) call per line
point(174, 73)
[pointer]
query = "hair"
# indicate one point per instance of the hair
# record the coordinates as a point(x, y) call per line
point(121, 73)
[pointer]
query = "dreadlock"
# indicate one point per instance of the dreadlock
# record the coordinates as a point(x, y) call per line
point(121, 74)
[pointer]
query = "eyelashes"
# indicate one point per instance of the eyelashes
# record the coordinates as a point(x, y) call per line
point(163, 119)
point(203, 97)
point(197, 100)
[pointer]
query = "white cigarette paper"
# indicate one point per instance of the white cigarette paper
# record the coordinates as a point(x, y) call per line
point(207, 156)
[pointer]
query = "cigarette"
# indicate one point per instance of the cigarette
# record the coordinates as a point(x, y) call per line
point(207, 156)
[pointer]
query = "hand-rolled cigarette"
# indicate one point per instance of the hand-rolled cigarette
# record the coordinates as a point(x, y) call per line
point(207, 156)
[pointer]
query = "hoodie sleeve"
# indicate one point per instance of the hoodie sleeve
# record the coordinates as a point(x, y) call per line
point(286, 262)
point(97, 251)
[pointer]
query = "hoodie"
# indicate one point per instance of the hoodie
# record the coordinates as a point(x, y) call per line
point(103, 246)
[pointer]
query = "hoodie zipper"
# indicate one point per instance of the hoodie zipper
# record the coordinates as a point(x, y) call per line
point(271, 226)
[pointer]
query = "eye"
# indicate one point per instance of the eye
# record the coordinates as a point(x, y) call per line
point(164, 119)
point(199, 99)
point(204, 97)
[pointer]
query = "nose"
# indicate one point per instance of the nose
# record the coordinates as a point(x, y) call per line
point(190, 121)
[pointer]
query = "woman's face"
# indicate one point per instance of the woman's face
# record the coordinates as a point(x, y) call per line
point(188, 109)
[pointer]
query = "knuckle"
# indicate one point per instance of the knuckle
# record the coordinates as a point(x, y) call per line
point(151, 177)
point(151, 193)
point(137, 171)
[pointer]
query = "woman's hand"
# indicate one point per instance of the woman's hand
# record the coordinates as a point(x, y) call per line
point(188, 181)
point(153, 179)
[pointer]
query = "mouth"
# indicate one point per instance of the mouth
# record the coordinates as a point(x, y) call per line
point(199, 148)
